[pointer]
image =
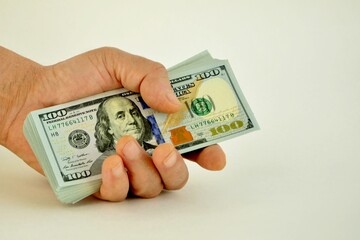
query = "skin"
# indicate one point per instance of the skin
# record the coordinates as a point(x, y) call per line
point(26, 86)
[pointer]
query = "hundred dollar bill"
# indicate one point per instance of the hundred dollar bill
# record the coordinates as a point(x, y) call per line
point(213, 107)
point(72, 140)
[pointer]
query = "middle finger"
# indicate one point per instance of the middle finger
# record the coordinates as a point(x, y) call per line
point(144, 179)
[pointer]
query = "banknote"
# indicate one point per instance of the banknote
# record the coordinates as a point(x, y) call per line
point(213, 107)
point(72, 140)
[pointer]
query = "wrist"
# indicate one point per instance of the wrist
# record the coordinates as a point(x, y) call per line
point(17, 79)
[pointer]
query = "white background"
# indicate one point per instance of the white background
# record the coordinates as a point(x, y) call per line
point(297, 63)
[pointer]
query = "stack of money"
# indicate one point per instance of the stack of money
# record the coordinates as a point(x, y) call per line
point(72, 140)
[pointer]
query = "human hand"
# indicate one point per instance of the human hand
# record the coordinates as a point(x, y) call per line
point(27, 86)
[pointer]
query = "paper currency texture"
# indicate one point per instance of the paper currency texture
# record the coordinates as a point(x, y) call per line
point(72, 140)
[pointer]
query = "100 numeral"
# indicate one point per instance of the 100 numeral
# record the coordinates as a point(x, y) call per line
point(226, 128)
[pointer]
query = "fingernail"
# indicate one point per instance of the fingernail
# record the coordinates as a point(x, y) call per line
point(172, 98)
point(170, 160)
point(131, 150)
point(117, 170)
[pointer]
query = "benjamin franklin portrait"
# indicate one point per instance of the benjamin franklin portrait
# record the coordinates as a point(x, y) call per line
point(116, 117)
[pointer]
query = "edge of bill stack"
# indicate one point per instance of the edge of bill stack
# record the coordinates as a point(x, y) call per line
point(71, 140)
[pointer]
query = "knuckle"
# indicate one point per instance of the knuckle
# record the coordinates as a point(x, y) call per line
point(111, 197)
point(117, 198)
point(147, 192)
point(178, 183)
point(158, 66)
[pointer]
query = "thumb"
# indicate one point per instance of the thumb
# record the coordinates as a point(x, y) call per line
point(142, 75)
